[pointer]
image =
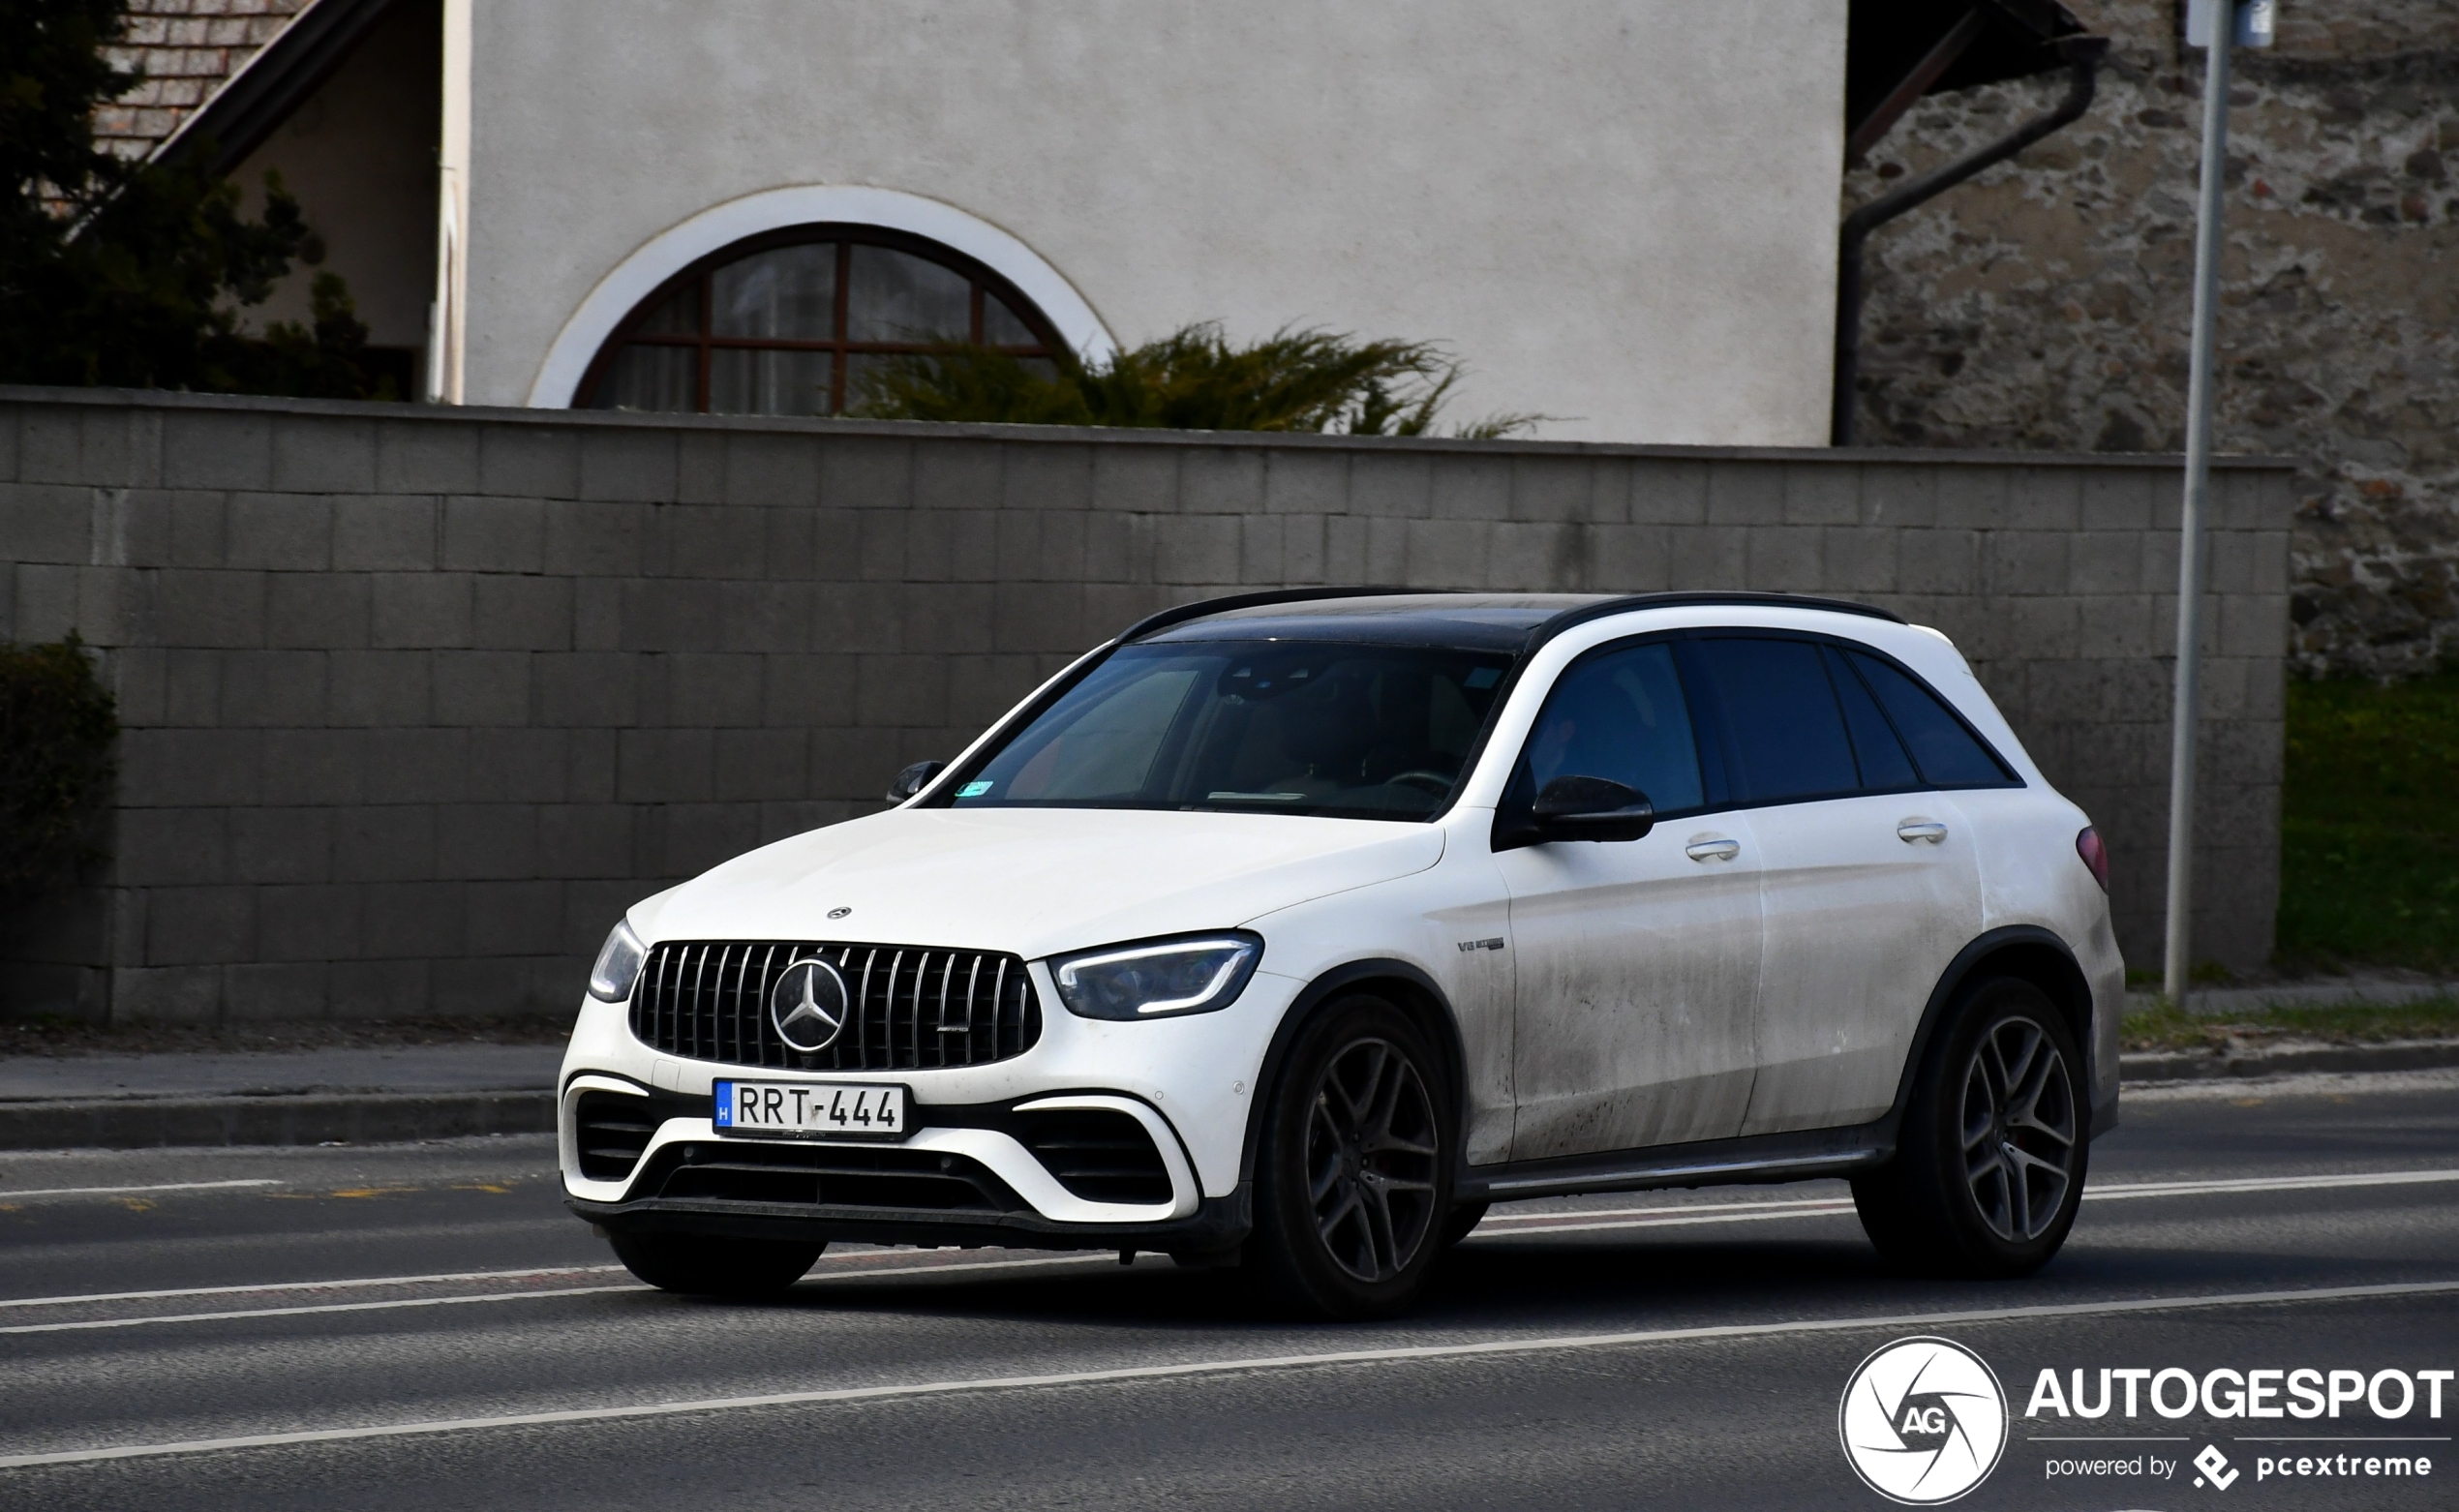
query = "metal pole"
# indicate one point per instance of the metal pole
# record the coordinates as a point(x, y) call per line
point(2178, 961)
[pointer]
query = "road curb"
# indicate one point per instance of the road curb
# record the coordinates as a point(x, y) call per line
point(2150, 1065)
point(309, 1118)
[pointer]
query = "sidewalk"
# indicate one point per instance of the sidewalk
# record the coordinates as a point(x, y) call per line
point(2378, 991)
point(361, 1094)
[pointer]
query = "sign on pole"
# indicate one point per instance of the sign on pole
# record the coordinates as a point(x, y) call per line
point(2255, 20)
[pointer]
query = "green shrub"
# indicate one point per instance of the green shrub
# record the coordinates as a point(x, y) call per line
point(57, 727)
point(1192, 379)
point(2369, 830)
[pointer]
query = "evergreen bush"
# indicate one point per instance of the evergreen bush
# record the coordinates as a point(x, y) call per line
point(58, 727)
point(1192, 379)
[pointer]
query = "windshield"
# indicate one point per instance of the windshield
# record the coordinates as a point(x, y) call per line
point(1368, 732)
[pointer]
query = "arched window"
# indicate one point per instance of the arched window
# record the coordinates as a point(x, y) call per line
point(785, 323)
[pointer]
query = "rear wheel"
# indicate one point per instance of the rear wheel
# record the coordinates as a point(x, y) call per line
point(1353, 1174)
point(1991, 1161)
point(697, 1265)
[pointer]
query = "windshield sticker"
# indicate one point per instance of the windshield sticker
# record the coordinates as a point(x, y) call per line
point(973, 790)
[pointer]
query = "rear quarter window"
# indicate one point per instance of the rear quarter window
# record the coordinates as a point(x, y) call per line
point(1946, 752)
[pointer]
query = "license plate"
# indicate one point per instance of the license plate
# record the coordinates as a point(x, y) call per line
point(836, 1109)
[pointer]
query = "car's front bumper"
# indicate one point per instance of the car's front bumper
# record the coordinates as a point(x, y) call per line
point(1188, 1082)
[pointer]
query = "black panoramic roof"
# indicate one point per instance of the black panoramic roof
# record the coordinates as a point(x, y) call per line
point(1486, 621)
point(1398, 617)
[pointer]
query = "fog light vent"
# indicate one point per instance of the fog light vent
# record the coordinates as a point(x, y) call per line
point(611, 1129)
point(1098, 1154)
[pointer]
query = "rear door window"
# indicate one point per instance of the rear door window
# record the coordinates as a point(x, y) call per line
point(1948, 753)
point(1783, 729)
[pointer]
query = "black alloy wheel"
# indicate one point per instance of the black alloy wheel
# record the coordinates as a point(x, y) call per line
point(1371, 1149)
point(2019, 1128)
point(1354, 1169)
point(1990, 1159)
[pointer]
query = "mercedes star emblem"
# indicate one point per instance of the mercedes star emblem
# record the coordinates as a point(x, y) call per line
point(808, 1005)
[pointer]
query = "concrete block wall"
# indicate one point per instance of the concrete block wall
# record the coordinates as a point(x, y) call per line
point(417, 701)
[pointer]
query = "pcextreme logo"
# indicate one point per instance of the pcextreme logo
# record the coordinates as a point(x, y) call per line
point(1922, 1421)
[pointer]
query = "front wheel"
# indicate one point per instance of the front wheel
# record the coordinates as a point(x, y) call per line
point(697, 1265)
point(1353, 1174)
point(1989, 1164)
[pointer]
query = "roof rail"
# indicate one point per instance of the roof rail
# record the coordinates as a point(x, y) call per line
point(1544, 632)
point(1214, 606)
point(1628, 602)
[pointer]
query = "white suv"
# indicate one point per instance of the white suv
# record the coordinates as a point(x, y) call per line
point(1291, 931)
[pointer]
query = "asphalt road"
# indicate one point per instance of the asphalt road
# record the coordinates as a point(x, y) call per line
point(432, 1331)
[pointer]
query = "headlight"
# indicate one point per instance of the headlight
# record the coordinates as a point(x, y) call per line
point(1154, 981)
point(617, 965)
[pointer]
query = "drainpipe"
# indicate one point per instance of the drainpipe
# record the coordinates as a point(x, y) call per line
point(2083, 55)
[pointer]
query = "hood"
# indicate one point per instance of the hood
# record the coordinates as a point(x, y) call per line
point(1033, 880)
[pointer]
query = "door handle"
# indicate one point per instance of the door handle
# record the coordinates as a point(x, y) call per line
point(1929, 829)
point(1712, 850)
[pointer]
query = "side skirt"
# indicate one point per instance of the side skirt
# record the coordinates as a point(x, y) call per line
point(1805, 1156)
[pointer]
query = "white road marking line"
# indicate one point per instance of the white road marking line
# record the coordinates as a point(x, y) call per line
point(1580, 1221)
point(166, 1186)
point(305, 1286)
point(873, 1274)
point(360, 1283)
point(2174, 1189)
point(300, 1312)
point(1201, 1368)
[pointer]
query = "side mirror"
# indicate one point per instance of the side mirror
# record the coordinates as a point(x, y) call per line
point(1590, 808)
point(913, 779)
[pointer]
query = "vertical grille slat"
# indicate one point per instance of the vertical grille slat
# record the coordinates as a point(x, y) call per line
point(909, 1009)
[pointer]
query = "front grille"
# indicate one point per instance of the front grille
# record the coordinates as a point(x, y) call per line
point(838, 1176)
point(917, 1009)
point(1100, 1155)
point(610, 1130)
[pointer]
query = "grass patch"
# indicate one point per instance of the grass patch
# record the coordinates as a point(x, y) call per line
point(2369, 828)
point(2164, 1028)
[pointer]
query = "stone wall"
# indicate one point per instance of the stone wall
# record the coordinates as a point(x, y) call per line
point(2046, 304)
point(418, 700)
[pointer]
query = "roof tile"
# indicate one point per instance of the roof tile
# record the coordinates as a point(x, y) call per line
point(184, 51)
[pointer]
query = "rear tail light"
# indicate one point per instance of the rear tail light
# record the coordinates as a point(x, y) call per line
point(2095, 854)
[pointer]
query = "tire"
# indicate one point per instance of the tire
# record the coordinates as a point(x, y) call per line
point(699, 1266)
point(1353, 1168)
point(1991, 1161)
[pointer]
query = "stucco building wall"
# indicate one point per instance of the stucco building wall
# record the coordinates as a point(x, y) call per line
point(417, 701)
point(1621, 215)
point(2046, 305)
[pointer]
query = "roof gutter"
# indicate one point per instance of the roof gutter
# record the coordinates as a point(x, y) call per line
point(2083, 55)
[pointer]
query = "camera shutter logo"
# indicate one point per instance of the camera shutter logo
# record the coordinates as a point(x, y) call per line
point(1922, 1421)
point(808, 1005)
